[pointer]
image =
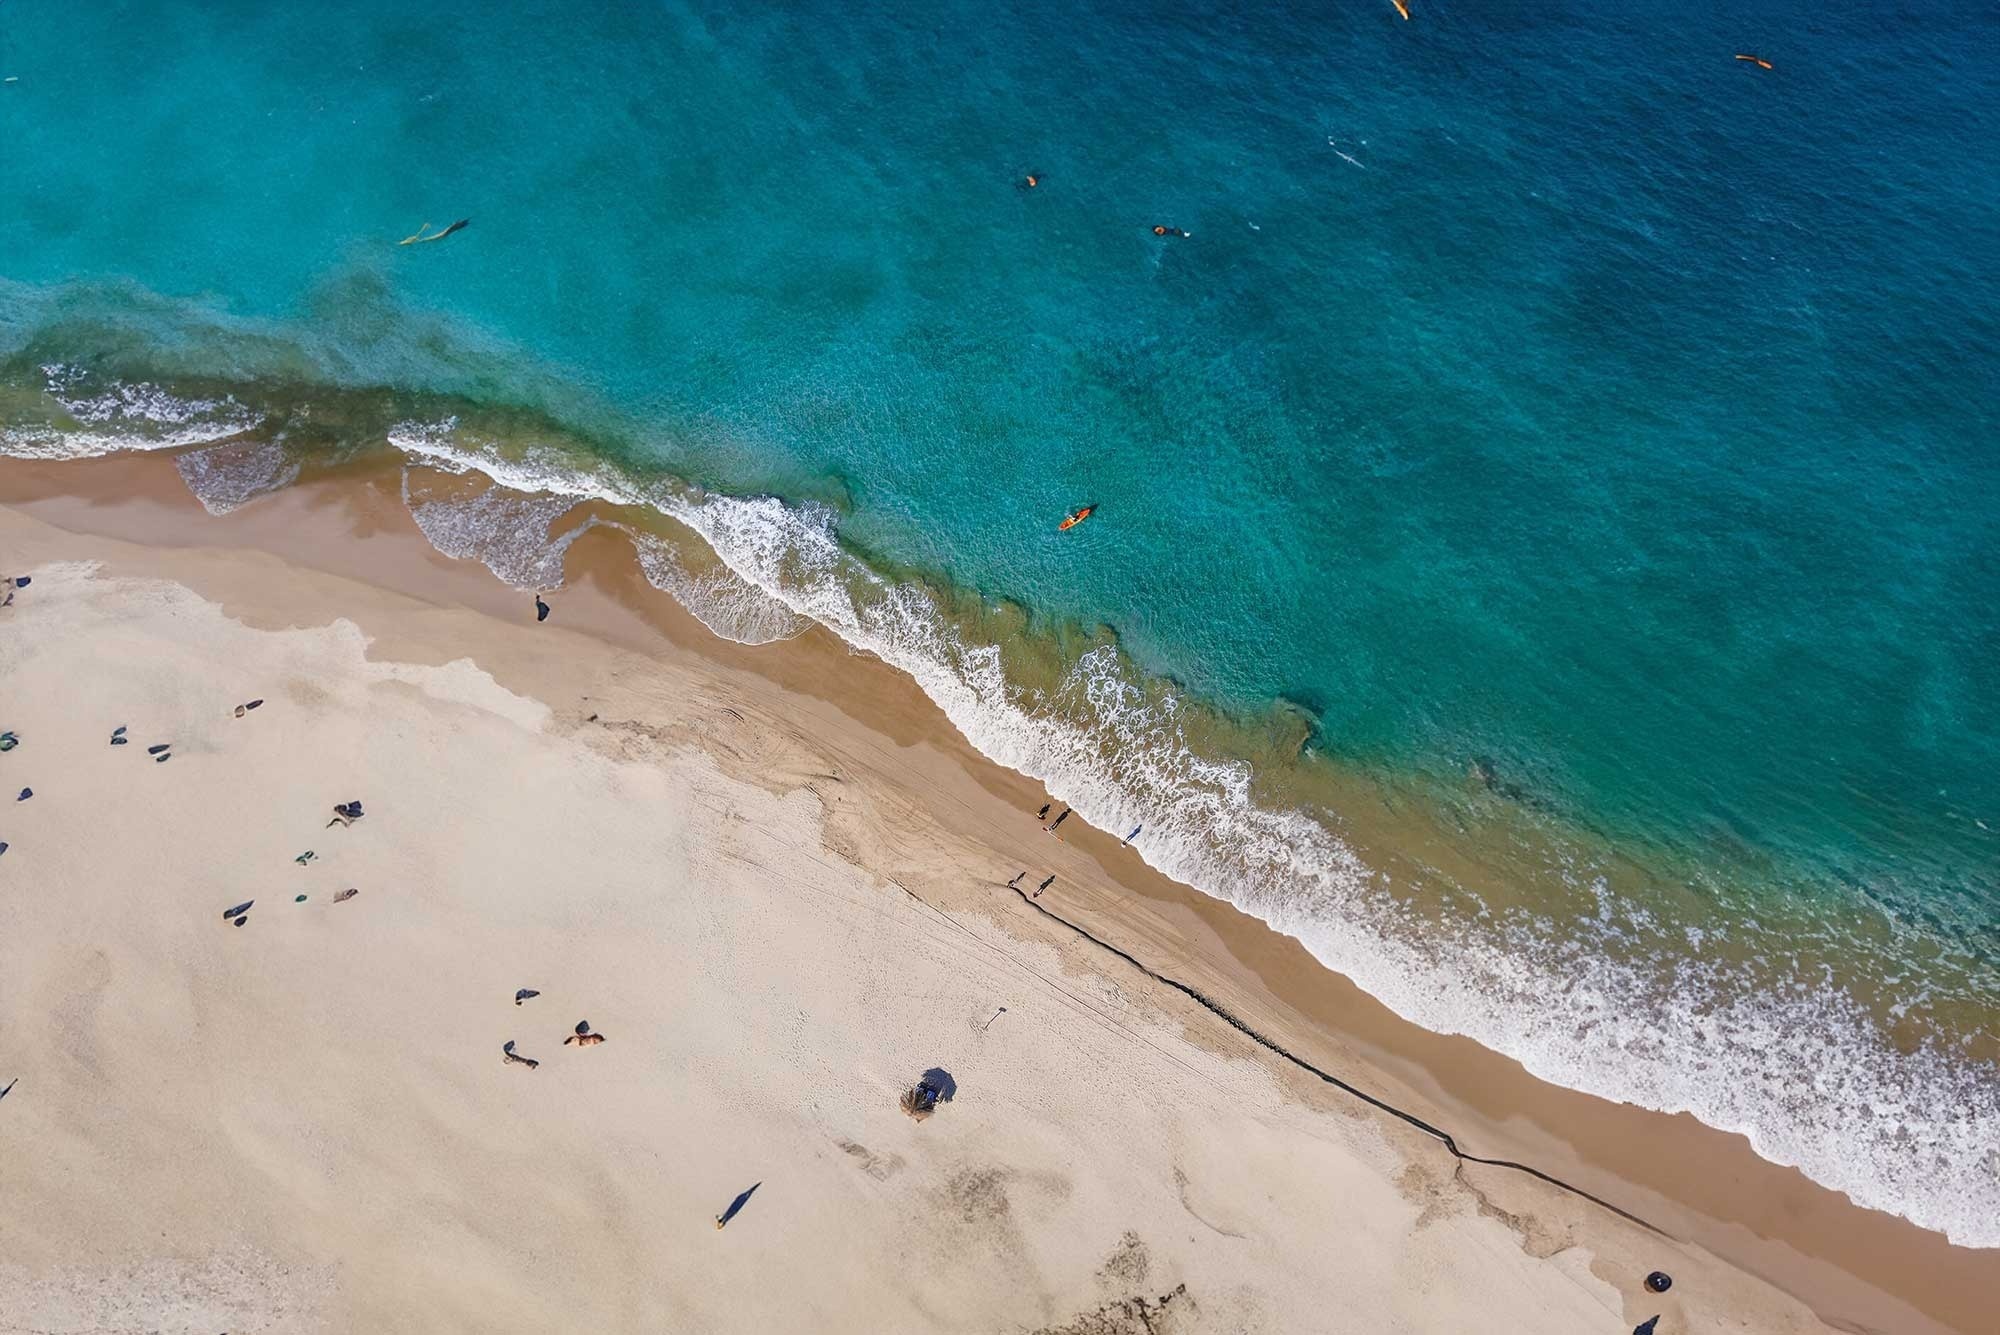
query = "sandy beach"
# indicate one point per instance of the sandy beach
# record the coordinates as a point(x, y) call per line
point(776, 884)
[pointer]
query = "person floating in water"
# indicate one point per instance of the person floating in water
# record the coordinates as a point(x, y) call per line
point(439, 235)
point(1031, 180)
point(1161, 229)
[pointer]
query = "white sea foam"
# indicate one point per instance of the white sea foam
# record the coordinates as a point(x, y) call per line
point(507, 532)
point(227, 477)
point(1800, 1069)
point(510, 534)
point(719, 598)
point(120, 417)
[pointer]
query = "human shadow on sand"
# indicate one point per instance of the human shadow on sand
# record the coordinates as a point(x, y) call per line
point(737, 1204)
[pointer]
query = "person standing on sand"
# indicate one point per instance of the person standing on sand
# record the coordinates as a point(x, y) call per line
point(1043, 814)
point(741, 1200)
point(1056, 824)
point(1043, 886)
point(1015, 884)
point(541, 609)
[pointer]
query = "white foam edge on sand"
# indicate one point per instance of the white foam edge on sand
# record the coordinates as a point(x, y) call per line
point(1801, 1070)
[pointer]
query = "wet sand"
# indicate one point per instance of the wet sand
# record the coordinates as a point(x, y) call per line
point(1719, 1210)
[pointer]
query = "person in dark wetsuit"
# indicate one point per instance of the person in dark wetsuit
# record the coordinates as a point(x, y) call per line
point(424, 233)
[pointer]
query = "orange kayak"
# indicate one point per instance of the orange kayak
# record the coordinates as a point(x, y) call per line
point(1075, 519)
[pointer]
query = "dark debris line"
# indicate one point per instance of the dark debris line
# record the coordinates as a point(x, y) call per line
point(1437, 1133)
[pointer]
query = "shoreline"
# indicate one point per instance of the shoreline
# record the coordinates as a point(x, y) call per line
point(1858, 1269)
point(1465, 907)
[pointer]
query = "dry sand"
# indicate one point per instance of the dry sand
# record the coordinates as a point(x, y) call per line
point(778, 910)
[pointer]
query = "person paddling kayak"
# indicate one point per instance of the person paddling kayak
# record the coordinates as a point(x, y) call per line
point(1077, 518)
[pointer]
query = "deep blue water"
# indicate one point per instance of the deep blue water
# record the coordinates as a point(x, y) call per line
point(1546, 389)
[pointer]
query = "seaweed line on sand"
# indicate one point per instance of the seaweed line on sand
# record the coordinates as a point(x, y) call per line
point(1435, 1132)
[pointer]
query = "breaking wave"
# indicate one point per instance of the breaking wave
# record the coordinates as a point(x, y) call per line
point(122, 416)
point(1620, 1004)
point(1791, 1060)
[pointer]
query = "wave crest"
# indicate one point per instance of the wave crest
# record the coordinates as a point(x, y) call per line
point(1789, 1059)
point(122, 416)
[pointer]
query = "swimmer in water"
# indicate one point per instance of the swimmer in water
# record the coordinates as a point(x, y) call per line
point(434, 236)
point(1160, 229)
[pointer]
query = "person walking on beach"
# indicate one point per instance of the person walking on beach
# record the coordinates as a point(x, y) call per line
point(1043, 886)
point(1056, 824)
point(742, 1199)
point(1130, 837)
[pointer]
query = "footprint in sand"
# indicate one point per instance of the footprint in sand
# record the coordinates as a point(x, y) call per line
point(881, 1167)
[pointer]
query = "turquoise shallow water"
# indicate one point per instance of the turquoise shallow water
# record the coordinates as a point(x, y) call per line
point(1562, 416)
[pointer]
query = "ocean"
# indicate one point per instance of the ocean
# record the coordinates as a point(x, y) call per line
point(1549, 504)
